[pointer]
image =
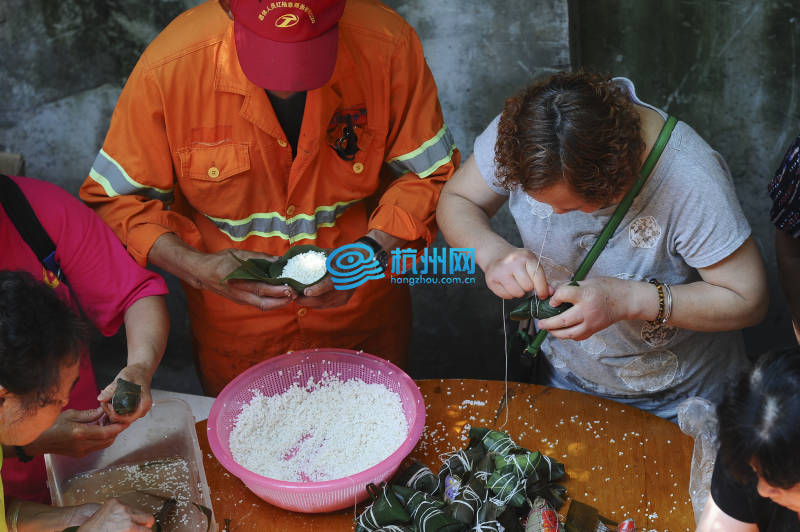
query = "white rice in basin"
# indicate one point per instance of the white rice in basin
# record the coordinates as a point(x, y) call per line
point(307, 267)
point(323, 431)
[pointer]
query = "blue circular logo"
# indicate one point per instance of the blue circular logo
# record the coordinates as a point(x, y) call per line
point(352, 265)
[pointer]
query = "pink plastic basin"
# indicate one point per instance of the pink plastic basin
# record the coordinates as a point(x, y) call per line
point(275, 376)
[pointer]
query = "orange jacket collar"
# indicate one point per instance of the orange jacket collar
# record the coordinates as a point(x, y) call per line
point(229, 77)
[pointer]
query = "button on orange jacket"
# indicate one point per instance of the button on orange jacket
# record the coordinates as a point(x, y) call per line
point(194, 148)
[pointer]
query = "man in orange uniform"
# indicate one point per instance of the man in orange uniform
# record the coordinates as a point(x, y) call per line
point(346, 142)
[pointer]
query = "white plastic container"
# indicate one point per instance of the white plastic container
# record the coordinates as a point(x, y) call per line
point(166, 431)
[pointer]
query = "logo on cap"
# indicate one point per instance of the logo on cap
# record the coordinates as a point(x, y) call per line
point(287, 21)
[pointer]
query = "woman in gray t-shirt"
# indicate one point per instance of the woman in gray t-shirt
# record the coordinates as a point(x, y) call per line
point(563, 154)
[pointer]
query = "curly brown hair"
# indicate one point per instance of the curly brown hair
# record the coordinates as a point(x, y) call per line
point(578, 127)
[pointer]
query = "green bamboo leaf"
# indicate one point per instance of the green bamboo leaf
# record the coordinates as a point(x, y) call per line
point(469, 499)
point(419, 477)
point(533, 307)
point(241, 273)
point(386, 509)
point(495, 441)
point(537, 308)
point(249, 269)
point(251, 266)
point(126, 397)
point(262, 264)
point(428, 514)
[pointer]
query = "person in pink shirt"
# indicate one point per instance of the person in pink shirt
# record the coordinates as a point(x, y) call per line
point(110, 289)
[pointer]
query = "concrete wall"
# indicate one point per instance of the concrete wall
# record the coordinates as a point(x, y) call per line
point(730, 70)
point(480, 53)
point(63, 65)
point(727, 68)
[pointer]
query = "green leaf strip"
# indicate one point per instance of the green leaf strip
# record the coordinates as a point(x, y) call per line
point(616, 218)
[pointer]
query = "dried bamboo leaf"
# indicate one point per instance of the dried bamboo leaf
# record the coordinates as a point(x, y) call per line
point(163, 512)
point(207, 512)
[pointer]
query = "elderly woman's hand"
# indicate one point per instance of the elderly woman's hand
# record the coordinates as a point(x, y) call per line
point(75, 433)
point(516, 273)
point(598, 303)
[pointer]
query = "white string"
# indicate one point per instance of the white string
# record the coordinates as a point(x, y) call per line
point(505, 352)
point(503, 315)
point(539, 256)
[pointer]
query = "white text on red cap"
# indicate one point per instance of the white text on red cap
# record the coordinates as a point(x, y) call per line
point(284, 22)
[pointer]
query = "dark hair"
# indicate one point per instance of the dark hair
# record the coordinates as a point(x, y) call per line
point(574, 127)
point(759, 421)
point(39, 334)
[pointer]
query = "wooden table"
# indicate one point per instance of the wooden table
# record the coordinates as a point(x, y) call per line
point(621, 460)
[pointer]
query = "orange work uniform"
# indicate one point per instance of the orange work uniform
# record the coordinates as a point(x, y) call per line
point(194, 148)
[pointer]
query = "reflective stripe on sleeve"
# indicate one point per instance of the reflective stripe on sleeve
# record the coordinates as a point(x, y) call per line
point(110, 175)
point(268, 224)
point(427, 158)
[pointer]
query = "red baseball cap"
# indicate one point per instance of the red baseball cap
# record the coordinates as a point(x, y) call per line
point(287, 46)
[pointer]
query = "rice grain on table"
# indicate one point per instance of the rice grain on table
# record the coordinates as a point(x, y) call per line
point(307, 267)
point(323, 431)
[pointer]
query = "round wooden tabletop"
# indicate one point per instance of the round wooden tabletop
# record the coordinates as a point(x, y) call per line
point(621, 460)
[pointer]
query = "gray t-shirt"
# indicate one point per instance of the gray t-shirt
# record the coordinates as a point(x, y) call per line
point(687, 216)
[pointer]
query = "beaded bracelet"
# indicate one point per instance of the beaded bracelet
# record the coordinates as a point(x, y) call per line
point(660, 316)
point(664, 302)
point(667, 303)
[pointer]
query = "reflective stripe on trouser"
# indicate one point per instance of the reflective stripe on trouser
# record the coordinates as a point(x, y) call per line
point(427, 158)
point(110, 175)
point(267, 224)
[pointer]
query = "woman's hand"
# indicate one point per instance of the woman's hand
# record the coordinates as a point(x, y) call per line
point(146, 329)
point(137, 375)
point(71, 516)
point(28, 516)
point(114, 516)
point(515, 272)
point(598, 303)
point(75, 433)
